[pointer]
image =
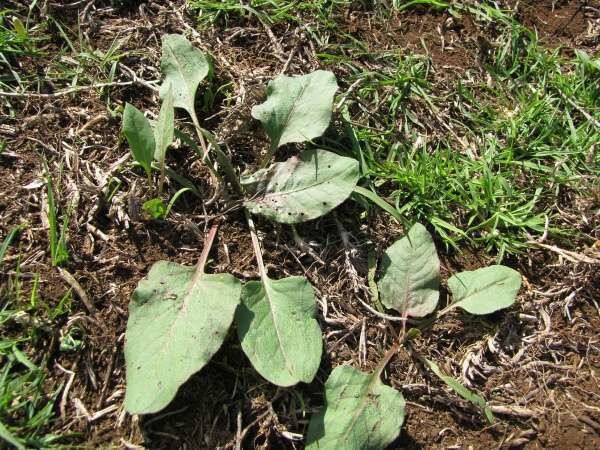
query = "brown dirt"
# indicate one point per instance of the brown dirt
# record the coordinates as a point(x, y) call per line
point(536, 356)
point(558, 22)
point(448, 41)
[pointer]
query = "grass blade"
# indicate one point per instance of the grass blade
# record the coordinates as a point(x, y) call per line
point(370, 195)
point(461, 390)
point(6, 435)
point(174, 199)
point(58, 248)
point(7, 241)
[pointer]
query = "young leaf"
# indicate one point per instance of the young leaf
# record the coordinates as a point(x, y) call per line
point(484, 291)
point(277, 328)
point(298, 108)
point(184, 68)
point(165, 127)
point(178, 319)
point(461, 390)
point(155, 208)
point(411, 274)
point(163, 133)
point(140, 137)
point(301, 188)
point(360, 413)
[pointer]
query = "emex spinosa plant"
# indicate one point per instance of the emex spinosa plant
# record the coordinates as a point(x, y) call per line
point(179, 316)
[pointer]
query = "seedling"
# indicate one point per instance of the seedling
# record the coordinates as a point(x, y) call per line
point(409, 284)
point(58, 246)
point(155, 208)
point(180, 316)
point(140, 137)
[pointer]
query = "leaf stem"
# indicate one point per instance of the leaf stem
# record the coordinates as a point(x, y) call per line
point(265, 162)
point(448, 308)
point(372, 269)
point(225, 162)
point(402, 337)
point(256, 246)
point(199, 133)
point(392, 351)
point(222, 158)
point(210, 237)
point(150, 181)
point(161, 179)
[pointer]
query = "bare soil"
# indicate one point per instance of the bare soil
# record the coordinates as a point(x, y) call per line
point(540, 358)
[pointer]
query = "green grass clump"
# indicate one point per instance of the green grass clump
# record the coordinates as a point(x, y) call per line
point(267, 11)
point(18, 37)
point(26, 411)
point(485, 163)
point(27, 396)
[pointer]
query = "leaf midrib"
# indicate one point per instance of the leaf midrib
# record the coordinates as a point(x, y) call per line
point(361, 406)
point(277, 331)
point(408, 276)
point(294, 191)
point(478, 291)
point(189, 97)
point(291, 111)
point(179, 316)
point(185, 299)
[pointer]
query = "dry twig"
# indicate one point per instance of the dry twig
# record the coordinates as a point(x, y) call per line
point(71, 281)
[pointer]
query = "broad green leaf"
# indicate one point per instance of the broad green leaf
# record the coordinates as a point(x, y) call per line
point(360, 413)
point(301, 188)
point(140, 137)
point(461, 390)
point(411, 274)
point(165, 127)
point(485, 290)
point(178, 319)
point(184, 68)
point(277, 328)
point(298, 108)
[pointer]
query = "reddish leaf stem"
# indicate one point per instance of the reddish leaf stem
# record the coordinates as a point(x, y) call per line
point(210, 237)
